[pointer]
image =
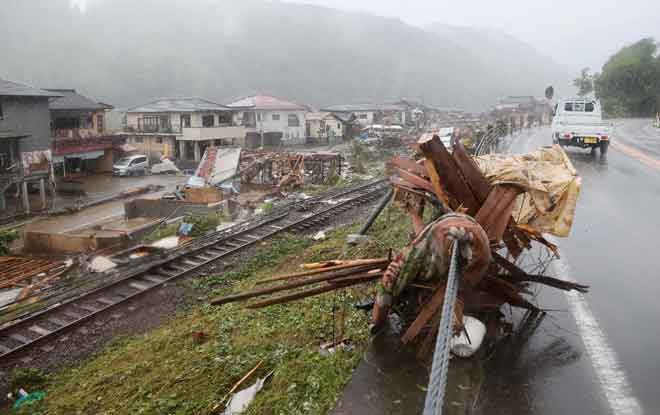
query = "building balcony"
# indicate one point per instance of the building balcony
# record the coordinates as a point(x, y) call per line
point(213, 133)
point(153, 129)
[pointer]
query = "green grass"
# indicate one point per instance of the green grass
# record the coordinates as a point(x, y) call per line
point(167, 372)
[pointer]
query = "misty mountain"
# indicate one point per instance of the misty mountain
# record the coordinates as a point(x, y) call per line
point(126, 52)
point(511, 63)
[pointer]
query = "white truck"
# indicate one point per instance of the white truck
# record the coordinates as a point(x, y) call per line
point(578, 122)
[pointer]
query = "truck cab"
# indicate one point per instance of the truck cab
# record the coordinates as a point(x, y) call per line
point(578, 122)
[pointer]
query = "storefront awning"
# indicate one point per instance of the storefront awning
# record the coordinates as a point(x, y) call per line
point(89, 155)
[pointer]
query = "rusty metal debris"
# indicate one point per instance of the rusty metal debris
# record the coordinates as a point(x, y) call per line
point(17, 270)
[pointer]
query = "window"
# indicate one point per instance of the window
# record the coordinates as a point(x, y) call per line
point(276, 117)
point(185, 121)
point(208, 120)
point(99, 123)
point(362, 116)
point(159, 140)
point(138, 139)
point(86, 122)
point(150, 123)
point(258, 116)
point(339, 126)
point(138, 161)
point(589, 107)
point(224, 118)
point(2, 114)
point(293, 120)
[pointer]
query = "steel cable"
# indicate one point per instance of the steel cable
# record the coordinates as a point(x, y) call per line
point(435, 392)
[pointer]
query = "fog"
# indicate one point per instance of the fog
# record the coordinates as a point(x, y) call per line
point(574, 33)
point(461, 54)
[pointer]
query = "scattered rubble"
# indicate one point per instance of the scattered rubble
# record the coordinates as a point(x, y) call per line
point(495, 205)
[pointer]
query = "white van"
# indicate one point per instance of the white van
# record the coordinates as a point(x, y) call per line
point(131, 166)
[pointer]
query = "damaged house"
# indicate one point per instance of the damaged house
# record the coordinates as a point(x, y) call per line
point(325, 128)
point(25, 156)
point(79, 138)
point(369, 114)
point(181, 128)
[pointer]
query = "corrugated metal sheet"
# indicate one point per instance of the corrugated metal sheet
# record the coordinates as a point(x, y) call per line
point(218, 165)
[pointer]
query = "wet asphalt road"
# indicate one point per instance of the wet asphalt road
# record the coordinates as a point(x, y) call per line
point(611, 364)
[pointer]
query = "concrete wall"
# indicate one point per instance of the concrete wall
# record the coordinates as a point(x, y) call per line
point(104, 164)
point(148, 144)
point(43, 242)
point(27, 115)
point(290, 135)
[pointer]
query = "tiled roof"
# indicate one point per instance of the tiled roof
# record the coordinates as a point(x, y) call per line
point(266, 102)
point(71, 100)
point(9, 88)
point(179, 105)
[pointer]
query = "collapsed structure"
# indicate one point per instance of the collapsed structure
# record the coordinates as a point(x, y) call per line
point(496, 205)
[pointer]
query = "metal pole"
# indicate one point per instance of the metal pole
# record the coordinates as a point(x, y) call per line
point(435, 392)
point(381, 205)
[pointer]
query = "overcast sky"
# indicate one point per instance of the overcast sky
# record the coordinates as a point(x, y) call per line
point(575, 33)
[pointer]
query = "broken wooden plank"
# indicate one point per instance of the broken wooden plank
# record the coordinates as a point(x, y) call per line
point(473, 175)
point(410, 165)
point(495, 214)
point(448, 171)
point(373, 263)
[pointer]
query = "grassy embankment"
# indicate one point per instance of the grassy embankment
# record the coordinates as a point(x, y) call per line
point(168, 372)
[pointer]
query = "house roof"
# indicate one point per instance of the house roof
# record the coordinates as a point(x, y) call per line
point(192, 104)
point(363, 108)
point(71, 100)
point(266, 102)
point(12, 134)
point(10, 88)
point(318, 116)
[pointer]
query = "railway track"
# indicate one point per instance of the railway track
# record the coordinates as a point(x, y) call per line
point(37, 329)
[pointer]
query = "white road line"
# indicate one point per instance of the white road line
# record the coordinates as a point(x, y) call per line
point(611, 376)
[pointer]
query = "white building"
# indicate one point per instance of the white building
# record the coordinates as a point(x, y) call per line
point(181, 127)
point(325, 127)
point(270, 120)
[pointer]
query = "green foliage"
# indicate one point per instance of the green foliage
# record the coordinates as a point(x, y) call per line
point(584, 83)
point(6, 238)
point(30, 379)
point(202, 224)
point(167, 371)
point(630, 81)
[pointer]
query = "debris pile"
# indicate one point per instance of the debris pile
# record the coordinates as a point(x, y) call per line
point(30, 274)
point(288, 170)
point(494, 206)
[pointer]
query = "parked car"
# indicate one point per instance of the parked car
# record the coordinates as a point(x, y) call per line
point(131, 166)
point(579, 123)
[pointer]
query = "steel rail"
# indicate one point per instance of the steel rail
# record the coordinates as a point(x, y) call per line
point(181, 262)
